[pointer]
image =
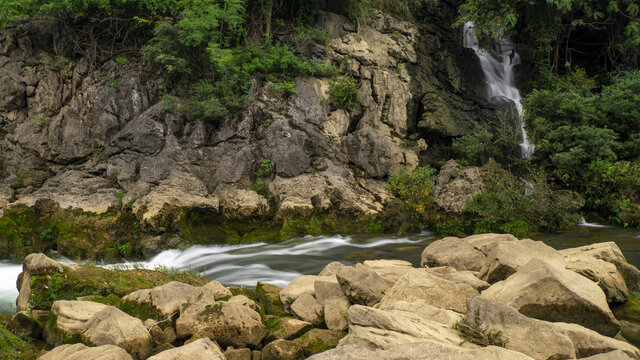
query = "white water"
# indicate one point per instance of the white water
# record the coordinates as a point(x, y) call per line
point(8, 291)
point(583, 222)
point(498, 68)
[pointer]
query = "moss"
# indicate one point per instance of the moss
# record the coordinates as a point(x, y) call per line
point(269, 300)
point(630, 311)
point(13, 348)
point(319, 340)
point(94, 281)
point(142, 311)
point(209, 311)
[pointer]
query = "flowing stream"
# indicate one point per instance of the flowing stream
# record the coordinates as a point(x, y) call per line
point(498, 68)
point(280, 263)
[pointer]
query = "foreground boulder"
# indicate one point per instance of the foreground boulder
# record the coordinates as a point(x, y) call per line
point(604, 274)
point(452, 251)
point(227, 324)
point(537, 338)
point(111, 326)
point(202, 349)
point(401, 323)
point(362, 285)
point(83, 352)
point(485, 242)
point(304, 284)
point(543, 291)
point(391, 270)
point(71, 318)
point(421, 286)
point(506, 257)
point(34, 264)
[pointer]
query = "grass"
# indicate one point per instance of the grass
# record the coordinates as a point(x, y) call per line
point(473, 334)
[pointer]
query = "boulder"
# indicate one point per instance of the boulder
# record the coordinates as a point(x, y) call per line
point(166, 298)
point(452, 251)
point(111, 326)
point(227, 324)
point(403, 323)
point(269, 298)
point(215, 290)
point(455, 185)
point(202, 349)
point(237, 354)
point(613, 355)
point(391, 270)
point(537, 338)
point(319, 340)
point(603, 273)
point(362, 285)
point(459, 277)
point(420, 286)
point(34, 264)
point(327, 290)
point(547, 292)
point(24, 324)
point(304, 284)
point(498, 353)
point(286, 328)
point(485, 242)
point(607, 251)
point(244, 301)
point(308, 309)
point(71, 318)
point(415, 351)
point(335, 314)
point(331, 269)
point(83, 352)
point(506, 257)
point(282, 350)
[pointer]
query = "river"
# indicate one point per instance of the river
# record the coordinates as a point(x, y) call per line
point(244, 265)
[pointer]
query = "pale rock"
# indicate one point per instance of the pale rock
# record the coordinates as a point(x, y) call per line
point(543, 291)
point(603, 273)
point(331, 269)
point(240, 203)
point(362, 285)
point(335, 313)
point(287, 328)
point(166, 298)
point(455, 185)
point(420, 286)
point(327, 290)
point(83, 352)
point(452, 251)
point(304, 284)
point(308, 309)
point(201, 349)
point(485, 242)
point(389, 269)
point(244, 301)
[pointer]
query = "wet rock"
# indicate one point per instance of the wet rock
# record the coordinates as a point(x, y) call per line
point(362, 285)
point(282, 350)
point(544, 291)
point(202, 349)
point(420, 286)
point(452, 251)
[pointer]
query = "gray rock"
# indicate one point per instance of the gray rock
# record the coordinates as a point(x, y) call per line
point(452, 251)
point(335, 313)
point(304, 284)
point(237, 354)
point(327, 290)
point(308, 309)
point(362, 285)
point(282, 350)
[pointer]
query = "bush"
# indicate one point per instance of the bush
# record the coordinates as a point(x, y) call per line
point(613, 187)
point(415, 189)
point(343, 92)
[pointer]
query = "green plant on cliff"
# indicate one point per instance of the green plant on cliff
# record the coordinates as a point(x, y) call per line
point(415, 190)
point(343, 92)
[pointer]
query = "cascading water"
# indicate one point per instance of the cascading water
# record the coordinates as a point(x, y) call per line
point(498, 67)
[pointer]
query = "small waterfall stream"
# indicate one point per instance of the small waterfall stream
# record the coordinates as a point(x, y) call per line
point(498, 67)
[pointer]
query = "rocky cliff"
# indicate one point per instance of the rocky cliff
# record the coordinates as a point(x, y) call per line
point(98, 139)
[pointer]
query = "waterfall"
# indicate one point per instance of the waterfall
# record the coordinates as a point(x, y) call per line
point(498, 67)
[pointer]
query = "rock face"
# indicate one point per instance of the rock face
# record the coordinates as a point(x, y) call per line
point(420, 286)
point(540, 339)
point(227, 324)
point(506, 257)
point(455, 252)
point(362, 285)
point(202, 349)
point(455, 185)
point(543, 291)
point(82, 352)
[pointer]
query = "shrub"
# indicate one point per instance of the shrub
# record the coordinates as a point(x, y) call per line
point(613, 187)
point(343, 92)
point(414, 189)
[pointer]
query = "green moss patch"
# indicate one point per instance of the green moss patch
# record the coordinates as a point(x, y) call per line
point(13, 348)
point(319, 340)
point(80, 281)
point(630, 311)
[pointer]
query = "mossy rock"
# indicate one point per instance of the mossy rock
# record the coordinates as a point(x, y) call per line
point(630, 311)
point(13, 348)
point(142, 311)
point(269, 298)
point(80, 281)
point(319, 340)
point(286, 328)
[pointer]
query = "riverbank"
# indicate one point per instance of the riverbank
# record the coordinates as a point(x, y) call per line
point(373, 302)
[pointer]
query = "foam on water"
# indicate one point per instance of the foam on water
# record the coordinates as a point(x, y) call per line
point(583, 222)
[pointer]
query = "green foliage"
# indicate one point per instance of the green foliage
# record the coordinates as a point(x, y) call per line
point(472, 333)
point(343, 92)
point(263, 174)
point(514, 207)
point(554, 31)
point(614, 187)
point(414, 189)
